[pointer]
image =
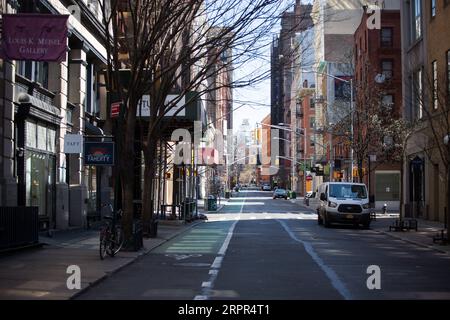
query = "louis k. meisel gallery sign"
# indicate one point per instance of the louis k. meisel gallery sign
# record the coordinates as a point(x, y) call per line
point(37, 37)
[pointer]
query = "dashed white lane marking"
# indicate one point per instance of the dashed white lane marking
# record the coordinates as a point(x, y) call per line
point(217, 263)
point(207, 286)
point(336, 282)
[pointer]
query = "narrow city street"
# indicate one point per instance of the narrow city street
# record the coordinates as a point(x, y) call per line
point(260, 248)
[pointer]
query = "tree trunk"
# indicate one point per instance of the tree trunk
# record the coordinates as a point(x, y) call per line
point(148, 195)
point(127, 205)
point(126, 151)
point(360, 171)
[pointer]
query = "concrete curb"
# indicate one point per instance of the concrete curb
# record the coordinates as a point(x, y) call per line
point(133, 260)
point(411, 241)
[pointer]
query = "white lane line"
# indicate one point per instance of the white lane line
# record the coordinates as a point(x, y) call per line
point(207, 286)
point(217, 262)
point(336, 282)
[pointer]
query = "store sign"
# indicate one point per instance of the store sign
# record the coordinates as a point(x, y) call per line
point(73, 143)
point(143, 107)
point(36, 37)
point(99, 153)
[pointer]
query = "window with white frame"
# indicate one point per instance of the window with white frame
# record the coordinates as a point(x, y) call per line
point(416, 19)
point(417, 91)
point(435, 84)
point(36, 71)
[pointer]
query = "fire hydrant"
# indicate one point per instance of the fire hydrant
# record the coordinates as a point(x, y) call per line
point(385, 208)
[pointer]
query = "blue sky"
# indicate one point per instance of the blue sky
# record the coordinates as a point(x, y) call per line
point(253, 102)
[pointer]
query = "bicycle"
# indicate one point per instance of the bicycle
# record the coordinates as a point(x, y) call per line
point(111, 235)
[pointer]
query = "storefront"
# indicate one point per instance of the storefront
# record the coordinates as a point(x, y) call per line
point(36, 145)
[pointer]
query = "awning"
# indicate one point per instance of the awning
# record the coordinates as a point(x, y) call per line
point(91, 129)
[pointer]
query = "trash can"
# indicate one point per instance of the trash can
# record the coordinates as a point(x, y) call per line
point(227, 195)
point(293, 195)
point(212, 203)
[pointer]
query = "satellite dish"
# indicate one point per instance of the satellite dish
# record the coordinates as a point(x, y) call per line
point(380, 78)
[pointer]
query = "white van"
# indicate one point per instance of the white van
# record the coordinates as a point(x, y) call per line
point(343, 202)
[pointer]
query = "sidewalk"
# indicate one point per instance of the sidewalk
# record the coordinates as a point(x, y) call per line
point(202, 207)
point(423, 237)
point(40, 273)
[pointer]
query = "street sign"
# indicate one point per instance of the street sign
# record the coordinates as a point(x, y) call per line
point(73, 143)
point(99, 153)
point(115, 109)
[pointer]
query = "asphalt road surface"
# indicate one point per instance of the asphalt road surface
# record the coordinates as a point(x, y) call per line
point(259, 248)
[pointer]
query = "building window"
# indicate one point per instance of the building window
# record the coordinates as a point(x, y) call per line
point(417, 19)
point(386, 37)
point(312, 102)
point(387, 68)
point(433, 8)
point(435, 84)
point(312, 120)
point(36, 71)
point(417, 93)
point(92, 90)
point(388, 101)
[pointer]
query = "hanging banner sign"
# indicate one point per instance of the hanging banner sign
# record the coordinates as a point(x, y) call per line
point(99, 153)
point(73, 143)
point(36, 37)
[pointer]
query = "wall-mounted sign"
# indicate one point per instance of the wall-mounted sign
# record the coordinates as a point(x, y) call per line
point(37, 37)
point(115, 109)
point(73, 143)
point(99, 153)
point(143, 107)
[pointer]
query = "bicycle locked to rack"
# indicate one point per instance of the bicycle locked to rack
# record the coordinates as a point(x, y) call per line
point(111, 235)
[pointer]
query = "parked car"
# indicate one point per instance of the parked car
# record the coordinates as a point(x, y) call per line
point(280, 193)
point(343, 202)
point(266, 187)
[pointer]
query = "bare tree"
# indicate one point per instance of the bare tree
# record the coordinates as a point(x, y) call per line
point(431, 111)
point(398, 133)
point(166, 48)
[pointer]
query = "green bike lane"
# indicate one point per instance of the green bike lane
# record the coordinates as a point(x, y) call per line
point(178, 269)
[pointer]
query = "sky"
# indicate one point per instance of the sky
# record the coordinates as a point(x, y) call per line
point(253, 103)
